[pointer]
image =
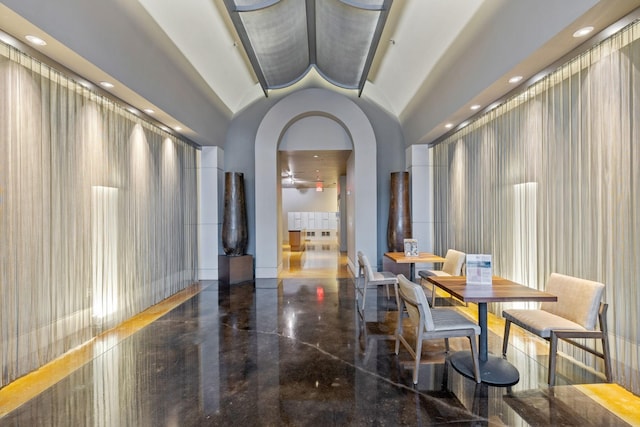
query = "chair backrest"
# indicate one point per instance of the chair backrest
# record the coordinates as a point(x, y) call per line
point(578, 299)
point(417, 305)
point(453, 262)
point(368, 270)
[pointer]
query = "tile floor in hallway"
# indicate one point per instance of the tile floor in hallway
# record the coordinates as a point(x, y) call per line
point(298, 355)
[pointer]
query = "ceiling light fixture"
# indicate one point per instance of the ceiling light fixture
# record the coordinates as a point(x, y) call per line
point(106, 85)
point(583, 31)
point(475, 107)
point(35, 40)
point(178, 128)
point(449, 125)
point(515, 79)
point(148, 111)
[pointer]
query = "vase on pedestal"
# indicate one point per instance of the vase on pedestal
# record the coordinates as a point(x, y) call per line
point(399, 225)
point(234, 219)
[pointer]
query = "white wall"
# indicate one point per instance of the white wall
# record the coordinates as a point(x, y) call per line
point(315, 133)
point(210, 212)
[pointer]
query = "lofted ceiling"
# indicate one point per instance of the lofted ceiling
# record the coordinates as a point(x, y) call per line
point(188, 62)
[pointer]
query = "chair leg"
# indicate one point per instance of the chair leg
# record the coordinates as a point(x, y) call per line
point(388, 294)
point(474, 356)
point(607, 356)
point(364, 295)
point(553, 350)
point(399, 326)
point(446, 345)
point(418, 355)
point(505, 339)
point(433, 295)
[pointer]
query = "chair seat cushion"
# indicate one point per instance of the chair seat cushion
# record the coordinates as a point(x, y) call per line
point(449, 319)
point(540, 322)
point(383, 277)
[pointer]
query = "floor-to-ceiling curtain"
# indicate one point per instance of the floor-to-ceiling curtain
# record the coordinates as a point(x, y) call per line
point(97, 214)
point(549, 181)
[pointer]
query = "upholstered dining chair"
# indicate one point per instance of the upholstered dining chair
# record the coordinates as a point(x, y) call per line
point(452, 266)
point(437, 323)
point(374, 278)
point(573, 316)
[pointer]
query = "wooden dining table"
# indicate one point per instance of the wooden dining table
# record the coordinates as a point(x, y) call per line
point(422, 257)
point(494, 370)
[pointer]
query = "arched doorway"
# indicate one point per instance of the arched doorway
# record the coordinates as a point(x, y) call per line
point(361, 181)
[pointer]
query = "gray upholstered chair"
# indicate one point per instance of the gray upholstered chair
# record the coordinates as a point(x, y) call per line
point(573, 316)
point(374, 278)
point(452, 266)
point(430, 324)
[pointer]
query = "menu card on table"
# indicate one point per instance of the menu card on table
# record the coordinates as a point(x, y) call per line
point(411, 247)
point(479, 269)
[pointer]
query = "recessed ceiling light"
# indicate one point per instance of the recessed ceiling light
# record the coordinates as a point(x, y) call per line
point(178, 128)
point(475, 107)
point(149, 111)
point(36, 40)
point(515, 79)
point(449, 125)
point(106, 84)
point(583, 31)
point(315, 156)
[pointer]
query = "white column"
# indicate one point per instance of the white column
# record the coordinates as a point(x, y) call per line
point(210, 211)
point(420, 166)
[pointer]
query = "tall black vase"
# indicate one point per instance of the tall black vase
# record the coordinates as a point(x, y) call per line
point(234, 219)
point(399, 225)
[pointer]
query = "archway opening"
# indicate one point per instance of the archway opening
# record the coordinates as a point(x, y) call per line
point(360, 187)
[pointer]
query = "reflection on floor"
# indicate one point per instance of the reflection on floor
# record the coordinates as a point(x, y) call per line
point(301, 355)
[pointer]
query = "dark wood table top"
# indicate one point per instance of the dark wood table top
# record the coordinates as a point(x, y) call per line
point(400, 258)
point(501, 290)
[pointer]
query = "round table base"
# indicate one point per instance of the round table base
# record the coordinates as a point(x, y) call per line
point(494, 371)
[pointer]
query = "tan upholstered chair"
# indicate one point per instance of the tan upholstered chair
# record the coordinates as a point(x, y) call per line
point(430, 324)
point(574, 315)
point(452, 266)
point(375, 278)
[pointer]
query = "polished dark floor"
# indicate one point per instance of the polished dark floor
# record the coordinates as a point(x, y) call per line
point(298, 355)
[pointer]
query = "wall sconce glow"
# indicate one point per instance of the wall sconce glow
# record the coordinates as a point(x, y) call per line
point(106, 85)
point(583, 32)
point(475, 107)
point(35, 40)
point(104, 245)
point(515, 79)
